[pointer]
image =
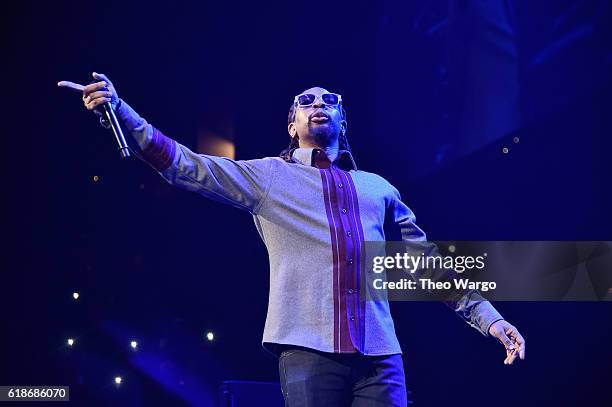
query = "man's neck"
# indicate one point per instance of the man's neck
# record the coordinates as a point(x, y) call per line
point(331, 151)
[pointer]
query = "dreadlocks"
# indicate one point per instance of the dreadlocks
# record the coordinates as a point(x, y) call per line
point(295, 141)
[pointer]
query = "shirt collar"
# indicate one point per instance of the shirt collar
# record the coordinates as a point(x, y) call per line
point(315, 157)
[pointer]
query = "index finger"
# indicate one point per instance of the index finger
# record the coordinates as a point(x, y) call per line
point(71, 85)
point(92, 87)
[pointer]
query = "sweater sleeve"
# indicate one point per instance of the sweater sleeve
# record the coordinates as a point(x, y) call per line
point(468, 304)
point(240, 183)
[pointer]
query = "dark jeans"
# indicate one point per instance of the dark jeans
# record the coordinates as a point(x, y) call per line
point(319, 379)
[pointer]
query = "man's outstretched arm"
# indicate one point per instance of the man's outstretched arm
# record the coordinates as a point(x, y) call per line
point(468, 304)
point(241, 183)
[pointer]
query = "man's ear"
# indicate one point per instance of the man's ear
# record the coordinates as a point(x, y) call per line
point(343, 125)
point(292, 130)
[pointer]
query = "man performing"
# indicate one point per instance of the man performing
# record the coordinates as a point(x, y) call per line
point(314, 210)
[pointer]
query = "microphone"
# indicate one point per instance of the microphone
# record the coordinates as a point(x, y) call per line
point(113, 123)
point(109, 114)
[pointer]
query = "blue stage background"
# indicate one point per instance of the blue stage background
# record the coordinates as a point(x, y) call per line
point(434, 90)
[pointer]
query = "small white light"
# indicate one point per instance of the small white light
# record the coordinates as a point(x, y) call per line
point(210, 336)
point(75, 295)
point(451, 248)
point(118, 380)
point(134, 344)
point(70, 341)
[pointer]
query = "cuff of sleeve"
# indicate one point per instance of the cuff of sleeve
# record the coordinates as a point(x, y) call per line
point(128, 116)
point(138, 127)
point(492, 322)
point(486, 315)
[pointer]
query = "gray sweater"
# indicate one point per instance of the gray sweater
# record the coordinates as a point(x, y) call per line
point(314, 218)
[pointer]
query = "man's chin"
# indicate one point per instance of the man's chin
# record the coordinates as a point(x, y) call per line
point(323, 134)
point(321, 130)
point(321, 126)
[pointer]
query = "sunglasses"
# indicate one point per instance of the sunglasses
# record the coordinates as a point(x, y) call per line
point(308, 99)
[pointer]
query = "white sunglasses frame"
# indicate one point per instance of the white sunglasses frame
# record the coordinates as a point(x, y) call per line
point(295, 100)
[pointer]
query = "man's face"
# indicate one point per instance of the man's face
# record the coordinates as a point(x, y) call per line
point(318, 123)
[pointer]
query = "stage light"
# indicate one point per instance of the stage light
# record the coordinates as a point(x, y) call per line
point(451, 248)
point(210, 336)
point(134, 344)
point(70, 341)
point(215, 144)
point(118, 380)
point(516, 140)
point(96, 178)
point(505, 150)
point(75, 295)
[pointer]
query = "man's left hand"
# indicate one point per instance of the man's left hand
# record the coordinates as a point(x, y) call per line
point(510, 337)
